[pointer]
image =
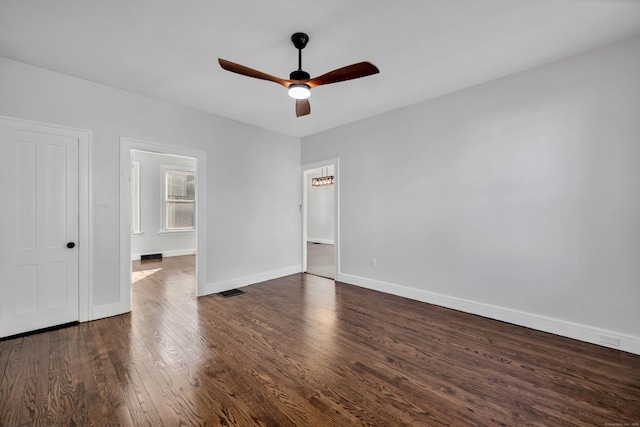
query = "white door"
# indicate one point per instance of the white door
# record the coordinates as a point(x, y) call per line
point(39, 222)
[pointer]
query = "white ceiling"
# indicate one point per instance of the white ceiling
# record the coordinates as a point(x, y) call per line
point(168, 49)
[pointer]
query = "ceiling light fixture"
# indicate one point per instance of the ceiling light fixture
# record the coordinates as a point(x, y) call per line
point(299, 91)
point(322, 180)
point(300, 82)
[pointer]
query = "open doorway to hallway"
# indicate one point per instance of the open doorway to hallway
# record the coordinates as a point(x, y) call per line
point(319, 236)
point(176, 225)
point(163, 213)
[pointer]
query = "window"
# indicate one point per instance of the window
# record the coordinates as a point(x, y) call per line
point(179, 213)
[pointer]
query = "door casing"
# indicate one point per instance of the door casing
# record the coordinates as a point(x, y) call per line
point(126, 145)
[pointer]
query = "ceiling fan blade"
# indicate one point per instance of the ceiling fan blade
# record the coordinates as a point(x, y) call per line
point(354, 71)
point(250, 72)
point(303, 107)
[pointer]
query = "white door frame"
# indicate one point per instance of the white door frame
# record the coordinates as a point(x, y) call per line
point(306, 170)
point(126, 145)
point(85, 288)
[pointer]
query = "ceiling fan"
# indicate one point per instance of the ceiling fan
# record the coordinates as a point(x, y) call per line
point(300, 82)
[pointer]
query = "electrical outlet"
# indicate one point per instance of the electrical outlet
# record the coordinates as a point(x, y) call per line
point(374, 262)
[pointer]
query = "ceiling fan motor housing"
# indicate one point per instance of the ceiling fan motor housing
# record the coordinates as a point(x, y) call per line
point(299, 75)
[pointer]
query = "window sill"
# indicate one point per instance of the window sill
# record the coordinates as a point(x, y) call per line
point(137, 234)
point(190, 231)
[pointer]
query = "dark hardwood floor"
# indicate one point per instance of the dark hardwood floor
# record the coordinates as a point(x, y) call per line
point(301, 351)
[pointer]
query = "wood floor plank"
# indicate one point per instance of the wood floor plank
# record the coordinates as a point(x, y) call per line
point(85, 408)
point(305, 351)
point(112, 403)
point(181, 335)
point(19, 382)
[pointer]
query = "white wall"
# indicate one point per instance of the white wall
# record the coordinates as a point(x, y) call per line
point(320, 210)
point(252, 229)
point(518, 199)
point(152, 240)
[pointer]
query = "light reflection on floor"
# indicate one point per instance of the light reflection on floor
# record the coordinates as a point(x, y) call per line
point(320, 313)
point(139, 275)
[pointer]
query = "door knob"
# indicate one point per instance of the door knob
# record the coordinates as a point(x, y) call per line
point(71, 245)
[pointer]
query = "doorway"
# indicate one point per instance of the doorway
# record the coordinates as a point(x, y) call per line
point(320, 219)
point(162, 211)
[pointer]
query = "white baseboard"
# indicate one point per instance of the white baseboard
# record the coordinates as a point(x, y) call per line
point(107, 310)
point(225, 285)
point(166, 254)
point(320, 240)
point(628, 343)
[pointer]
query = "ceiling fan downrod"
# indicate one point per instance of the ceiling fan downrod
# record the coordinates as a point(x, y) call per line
point(299, 40)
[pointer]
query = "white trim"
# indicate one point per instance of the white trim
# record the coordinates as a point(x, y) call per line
point(590, 334)
point(126, 146)
point(225, 285)
point(136, 227)
point(85, 214)
point(306, 170)
point(107, 310)
point(182, 231)
point(86, 223)
point(167, 254)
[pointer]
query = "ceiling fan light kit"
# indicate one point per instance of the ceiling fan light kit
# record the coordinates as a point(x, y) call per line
point(300, 82)
point(299, 91)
